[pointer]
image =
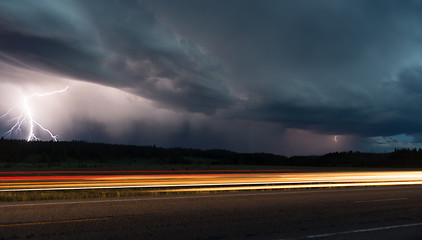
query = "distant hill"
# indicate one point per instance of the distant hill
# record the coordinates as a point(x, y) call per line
point(56, 153)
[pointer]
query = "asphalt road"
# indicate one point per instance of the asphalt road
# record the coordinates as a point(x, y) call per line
point(346, 213)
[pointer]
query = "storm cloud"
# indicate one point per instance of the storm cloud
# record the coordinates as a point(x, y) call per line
point(229, 73)
point(115, 43)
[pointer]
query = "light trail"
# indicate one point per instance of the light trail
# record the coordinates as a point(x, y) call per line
point(204, 181)
point(26, 116)
point(11, 173)
point(53, 222)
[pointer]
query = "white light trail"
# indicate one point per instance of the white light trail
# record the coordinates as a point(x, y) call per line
point(26, 117)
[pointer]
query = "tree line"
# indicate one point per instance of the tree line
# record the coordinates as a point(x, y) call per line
point(15, 151)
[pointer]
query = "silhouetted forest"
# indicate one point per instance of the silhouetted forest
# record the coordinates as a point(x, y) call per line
point(57, 153)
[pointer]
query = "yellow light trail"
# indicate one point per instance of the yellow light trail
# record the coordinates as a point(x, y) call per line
point(52, 222)
point(280, 187)
point(221, 181)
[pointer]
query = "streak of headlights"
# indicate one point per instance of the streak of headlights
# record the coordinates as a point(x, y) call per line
point(206, 181)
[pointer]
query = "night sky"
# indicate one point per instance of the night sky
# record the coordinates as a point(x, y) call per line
point(285, 77)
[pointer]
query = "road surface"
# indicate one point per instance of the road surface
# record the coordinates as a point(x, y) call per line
point(393, 212)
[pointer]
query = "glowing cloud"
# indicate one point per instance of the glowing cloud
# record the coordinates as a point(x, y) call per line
point(26, 117)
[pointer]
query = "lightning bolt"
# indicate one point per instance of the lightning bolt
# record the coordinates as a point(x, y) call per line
point(26, 117)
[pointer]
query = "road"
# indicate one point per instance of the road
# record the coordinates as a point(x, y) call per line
point(393, 212)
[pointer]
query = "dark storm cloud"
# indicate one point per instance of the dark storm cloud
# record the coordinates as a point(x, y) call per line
point(116, 43)
point(48, 53)
point(339, 67)
point(329, 67)
point(410, 80)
